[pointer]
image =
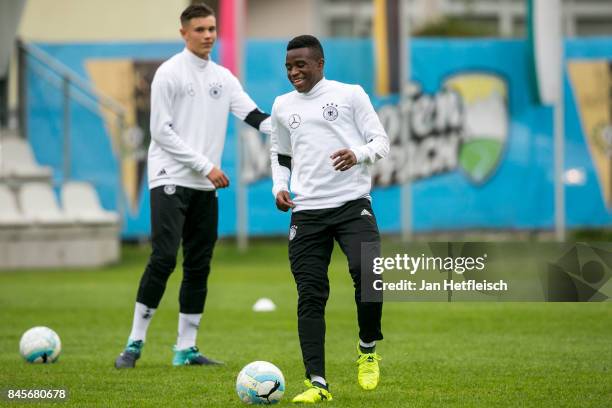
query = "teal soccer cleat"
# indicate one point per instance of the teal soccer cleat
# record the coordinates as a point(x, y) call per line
point(192, 356)
point(127, 359)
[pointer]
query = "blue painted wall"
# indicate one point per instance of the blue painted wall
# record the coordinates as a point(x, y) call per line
point(517, 195)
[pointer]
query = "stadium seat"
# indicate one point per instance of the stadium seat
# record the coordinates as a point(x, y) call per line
point(80, 202)
point(10, 215)
point(39, 204)
point(17, 161)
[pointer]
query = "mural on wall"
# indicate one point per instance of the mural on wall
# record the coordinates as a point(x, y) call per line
point(462, 126)
point(592, 85)
point(128, 82)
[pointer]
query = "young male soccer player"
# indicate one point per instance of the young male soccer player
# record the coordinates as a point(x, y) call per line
point(191, 97)
point(325, 134)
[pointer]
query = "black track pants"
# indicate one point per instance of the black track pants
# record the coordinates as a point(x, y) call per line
point(191, 215)
point(311, 243)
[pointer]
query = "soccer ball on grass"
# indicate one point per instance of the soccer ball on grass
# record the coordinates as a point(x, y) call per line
point(40, 345)
point(260, 382)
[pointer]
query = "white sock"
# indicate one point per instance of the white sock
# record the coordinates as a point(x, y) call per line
point(188, 325)
point(368, 345)
point(142, 318)
point(318, 379)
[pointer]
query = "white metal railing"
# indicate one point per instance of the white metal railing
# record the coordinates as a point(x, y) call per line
point(73, 88)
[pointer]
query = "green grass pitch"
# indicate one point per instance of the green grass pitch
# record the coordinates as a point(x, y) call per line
point(434, 354)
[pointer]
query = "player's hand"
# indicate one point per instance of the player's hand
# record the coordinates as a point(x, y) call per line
point(283, 201)
point(218, 178)
point(344, 159)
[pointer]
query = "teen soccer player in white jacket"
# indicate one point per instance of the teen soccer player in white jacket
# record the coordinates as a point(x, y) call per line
point(325, 136)
point(191, 97)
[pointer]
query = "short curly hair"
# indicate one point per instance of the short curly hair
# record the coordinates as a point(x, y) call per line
point(307, 41)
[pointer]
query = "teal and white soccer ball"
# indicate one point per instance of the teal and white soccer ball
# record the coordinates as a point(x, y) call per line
point(260, 382)
point(40, 345)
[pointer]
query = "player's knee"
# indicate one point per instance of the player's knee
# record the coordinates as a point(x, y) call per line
point(312, 305)
point(163, 263)
point(311, 311)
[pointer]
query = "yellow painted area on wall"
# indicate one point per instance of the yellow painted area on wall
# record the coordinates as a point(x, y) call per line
point(475, 87)
point(592, 86)
point(108, 20)
point(116, 78)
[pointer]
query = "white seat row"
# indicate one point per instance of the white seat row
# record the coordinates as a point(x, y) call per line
point(36, 204)
point(35, 232)
point(17, 163)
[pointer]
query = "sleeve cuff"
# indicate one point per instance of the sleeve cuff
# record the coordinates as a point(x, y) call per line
point(359, 154)
point(207, 168)
point(266, 126)
point(278, 188)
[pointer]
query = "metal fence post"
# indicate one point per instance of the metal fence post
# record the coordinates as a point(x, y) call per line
point(66, 129)
point(22, 89)
point(120, 152)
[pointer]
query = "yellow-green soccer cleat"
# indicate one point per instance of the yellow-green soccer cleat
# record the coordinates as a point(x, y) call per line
point(368, 373)
point(312, 395)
